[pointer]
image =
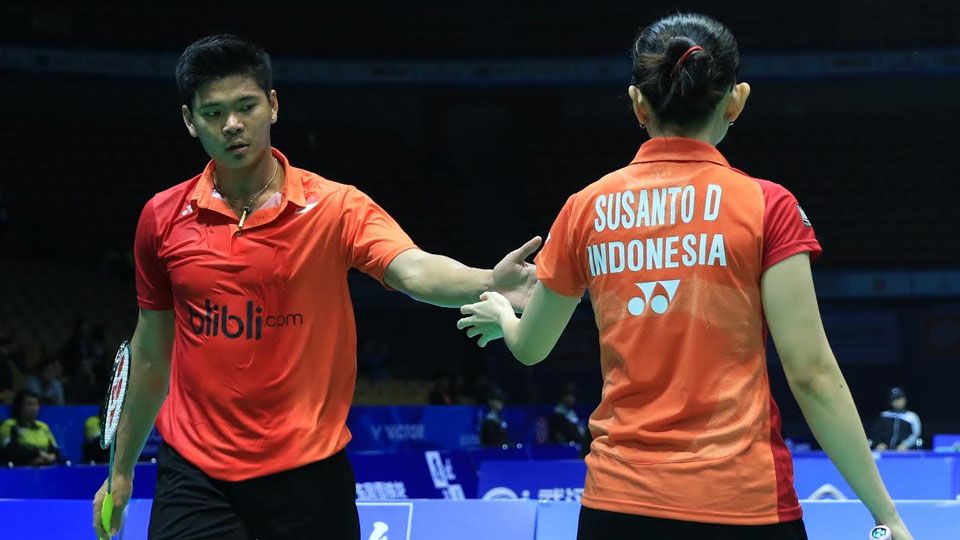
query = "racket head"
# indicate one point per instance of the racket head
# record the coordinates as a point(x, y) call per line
point(116, 395)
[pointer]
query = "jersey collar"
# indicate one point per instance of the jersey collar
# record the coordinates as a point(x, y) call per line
point(678, 149)
point(292, 192)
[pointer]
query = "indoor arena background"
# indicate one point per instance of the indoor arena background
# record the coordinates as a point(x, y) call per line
point(471, 123)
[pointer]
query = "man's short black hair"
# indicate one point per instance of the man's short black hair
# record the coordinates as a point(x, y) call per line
point(218, 56)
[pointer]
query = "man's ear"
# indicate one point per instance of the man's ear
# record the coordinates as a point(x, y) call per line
point(188, 120)
point(274, 106)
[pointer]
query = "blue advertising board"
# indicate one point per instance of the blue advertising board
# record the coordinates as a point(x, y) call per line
point(413, 428)
point(430, 474)
point(442, 427)
point(946, 442)
point(374, 428)
point(379, 477)
point(908, 476)
point(76, 482)
point(557, 480)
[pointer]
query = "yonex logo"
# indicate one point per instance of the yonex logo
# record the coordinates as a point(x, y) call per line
point(656, 294)
point(187, 211)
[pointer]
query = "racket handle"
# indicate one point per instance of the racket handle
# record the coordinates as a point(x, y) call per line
point(106, 513)
point(881, 532)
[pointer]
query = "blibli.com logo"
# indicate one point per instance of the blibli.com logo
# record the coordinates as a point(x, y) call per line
point(655, 295)
point(217, 320)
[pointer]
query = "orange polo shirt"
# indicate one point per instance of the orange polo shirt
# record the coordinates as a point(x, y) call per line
point(672, 248)
point(264, 356)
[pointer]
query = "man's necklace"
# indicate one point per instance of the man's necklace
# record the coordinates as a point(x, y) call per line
point(248, 208)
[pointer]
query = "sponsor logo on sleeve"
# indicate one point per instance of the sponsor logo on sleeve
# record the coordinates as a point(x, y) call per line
point(803, 217)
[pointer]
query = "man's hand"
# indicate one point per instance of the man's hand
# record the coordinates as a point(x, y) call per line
point(43, 458)
point(122, 488)
point(515, 278)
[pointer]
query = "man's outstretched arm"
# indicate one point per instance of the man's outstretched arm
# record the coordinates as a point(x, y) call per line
point(442, 281)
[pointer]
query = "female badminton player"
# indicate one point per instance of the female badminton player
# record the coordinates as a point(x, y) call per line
point(688, 261)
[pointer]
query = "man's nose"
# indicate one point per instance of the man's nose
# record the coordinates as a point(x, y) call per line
point(233, 125)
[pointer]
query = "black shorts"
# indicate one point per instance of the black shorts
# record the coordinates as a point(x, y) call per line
point(603, 525)
point(313, 501)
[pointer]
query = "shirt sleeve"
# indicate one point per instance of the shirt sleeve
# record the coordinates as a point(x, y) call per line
point(371, 239)
point(153, 281)
point(559, 265)
point(915, 427)
point(52, 440)
point(786, 229)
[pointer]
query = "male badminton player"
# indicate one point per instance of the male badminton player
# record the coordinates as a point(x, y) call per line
point(246, 332)
point(688, 261)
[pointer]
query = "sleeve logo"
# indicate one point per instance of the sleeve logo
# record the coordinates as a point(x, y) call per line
point(803, 217)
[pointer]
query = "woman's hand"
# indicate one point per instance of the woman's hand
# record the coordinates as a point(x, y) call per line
point(485, 318)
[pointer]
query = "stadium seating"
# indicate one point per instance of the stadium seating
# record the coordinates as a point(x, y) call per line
point(466, 28)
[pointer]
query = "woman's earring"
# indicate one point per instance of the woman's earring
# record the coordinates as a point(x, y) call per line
point(731, 123)
point(643, 126)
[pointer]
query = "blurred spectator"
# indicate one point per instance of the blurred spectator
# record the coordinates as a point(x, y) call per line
point(476, 388)
point(442, 392)
point(92, 452)
point(459, 390)
point(48, 384)
point(84, 385)
point(24, 440)
point(896, 428)
point(86, 341)
point(117, 262)
point(493, 430)
point(9, 369)
point(8, 377)
point(372, 360)
point(4, 218)
point(565, 425)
